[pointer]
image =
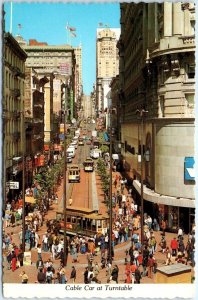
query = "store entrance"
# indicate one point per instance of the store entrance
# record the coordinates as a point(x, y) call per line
point(184, 220)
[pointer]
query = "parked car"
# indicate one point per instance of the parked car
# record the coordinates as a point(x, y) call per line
point(69, 159)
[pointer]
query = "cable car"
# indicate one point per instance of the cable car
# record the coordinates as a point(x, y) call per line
point(74, 173)
point(83, 221)
point(88, 165)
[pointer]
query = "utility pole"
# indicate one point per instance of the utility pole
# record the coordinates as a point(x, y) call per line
point(110, 198)
point(65, 178)
point(141, 113)
point(23, 180)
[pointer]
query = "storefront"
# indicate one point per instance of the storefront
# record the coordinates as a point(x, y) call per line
point(176, 212)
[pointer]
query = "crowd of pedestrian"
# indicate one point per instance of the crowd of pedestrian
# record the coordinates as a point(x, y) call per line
point(140, 260)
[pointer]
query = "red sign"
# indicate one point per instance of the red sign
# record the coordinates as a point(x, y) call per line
point(46, 147)
point(42, 160)
point(57, 147)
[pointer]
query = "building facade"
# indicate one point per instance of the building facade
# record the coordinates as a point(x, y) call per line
point(14, 58)
point(59, 60)
point(78, 79)
point(157, 94)
point(107, 63)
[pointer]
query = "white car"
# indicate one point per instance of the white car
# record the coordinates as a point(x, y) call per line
point(95, 153)
point(74, 144)
point(71, 152)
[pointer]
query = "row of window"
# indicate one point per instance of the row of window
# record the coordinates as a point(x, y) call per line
point(14, 60)
point(12, 148)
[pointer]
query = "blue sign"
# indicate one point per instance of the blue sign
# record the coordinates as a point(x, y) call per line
point(61, 136)
point(106, 137)
point(189, 170)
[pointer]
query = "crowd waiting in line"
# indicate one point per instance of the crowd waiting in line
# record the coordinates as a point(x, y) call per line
point(140, 259)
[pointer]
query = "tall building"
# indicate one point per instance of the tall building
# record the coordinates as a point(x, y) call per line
point(157, 81)
point(107, 63)
point(58, 64)
point(78, 77)
point(13, 108)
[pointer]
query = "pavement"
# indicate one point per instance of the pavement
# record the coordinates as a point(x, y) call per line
point(79, 195)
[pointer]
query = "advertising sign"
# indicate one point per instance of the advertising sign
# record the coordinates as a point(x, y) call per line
point(189, 171)
point(13, 185)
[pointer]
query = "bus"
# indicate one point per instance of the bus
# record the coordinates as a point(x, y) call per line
point(74, 173)
point(88, 165)
point(82, 221)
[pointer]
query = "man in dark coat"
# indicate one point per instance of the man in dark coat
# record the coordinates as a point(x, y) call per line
point(114, 273)
point(137, 275)
point(73, 274)
point(41, 277)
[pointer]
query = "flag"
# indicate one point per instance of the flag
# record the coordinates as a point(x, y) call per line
point(73, 34)
point(72, 29)
point(19, 26)
point(100, 24)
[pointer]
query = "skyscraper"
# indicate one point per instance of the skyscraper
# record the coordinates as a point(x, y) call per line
point(107, 63)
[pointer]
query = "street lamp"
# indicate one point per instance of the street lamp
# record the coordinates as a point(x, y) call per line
point(142, 113)
point(23, 136)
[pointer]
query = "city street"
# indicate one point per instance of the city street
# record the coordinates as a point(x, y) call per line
point(98, 158)
point(80, 198)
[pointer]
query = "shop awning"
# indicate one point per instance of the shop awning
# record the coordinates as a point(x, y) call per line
point(154, 197)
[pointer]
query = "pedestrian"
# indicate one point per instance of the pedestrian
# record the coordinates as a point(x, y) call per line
point(12, 219)
point(37, 237)
point(168, 256)
point(9, 259)
point(128, 276)
point(39, 252)
point(73, 274)
point(7, 218)
point(115, 183)
point(49, 275)
point(180, 233)
point(137, 275)
point(13, 261)
point(24, 277)
point(115, 272)
point(86, 276)
point(145, 260)
point(150, 265)
point(57, 279)
point(41, 277)
point(56, 198)
point(163, 244)
point(39, 264)
point(90, 274)
point(63, 277)
point(20, 257)
point(96, 270)
point(45, 242)
point(174, 246)
point(152, 244)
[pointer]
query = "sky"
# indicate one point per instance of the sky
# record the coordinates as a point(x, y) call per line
point(46, 22)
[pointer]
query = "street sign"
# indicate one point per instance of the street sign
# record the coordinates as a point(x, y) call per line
point(13, 185)
point(61, 136)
